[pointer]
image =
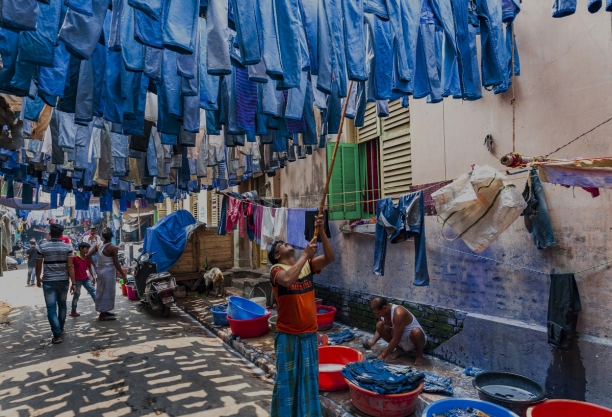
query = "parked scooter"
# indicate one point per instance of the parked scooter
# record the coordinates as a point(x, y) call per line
point(153, 289)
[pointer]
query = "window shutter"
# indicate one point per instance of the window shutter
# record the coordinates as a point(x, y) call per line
point(371, 127)
point(345, 186)
point(161, 210)
point(194, 206)
point(396, 153)
point(215, 209)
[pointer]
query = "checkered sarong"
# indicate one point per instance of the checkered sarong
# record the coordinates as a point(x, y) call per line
point(296, 391)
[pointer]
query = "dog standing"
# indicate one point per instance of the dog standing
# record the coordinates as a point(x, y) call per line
point(215, 277)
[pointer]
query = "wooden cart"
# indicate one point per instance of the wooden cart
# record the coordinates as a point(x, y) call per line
point(204, 245)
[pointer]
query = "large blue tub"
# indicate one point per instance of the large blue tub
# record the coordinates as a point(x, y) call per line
point(447, 404)
point(242, 309)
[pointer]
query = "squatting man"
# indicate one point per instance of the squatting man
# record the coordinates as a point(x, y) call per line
point(399, 328)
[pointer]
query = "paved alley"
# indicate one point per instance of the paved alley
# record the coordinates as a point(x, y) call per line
point(139, 365)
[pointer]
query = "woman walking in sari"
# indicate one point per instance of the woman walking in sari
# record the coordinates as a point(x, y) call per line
point(108, 266)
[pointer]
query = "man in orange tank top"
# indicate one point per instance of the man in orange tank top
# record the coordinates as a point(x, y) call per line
point(296, 391)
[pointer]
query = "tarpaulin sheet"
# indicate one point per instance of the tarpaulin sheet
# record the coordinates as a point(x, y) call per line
point(168, 239)
point(590, 173)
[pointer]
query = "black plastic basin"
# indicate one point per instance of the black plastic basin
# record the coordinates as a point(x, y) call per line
point(512, 391)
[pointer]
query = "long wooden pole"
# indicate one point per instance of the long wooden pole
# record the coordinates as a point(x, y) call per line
point(333, 160)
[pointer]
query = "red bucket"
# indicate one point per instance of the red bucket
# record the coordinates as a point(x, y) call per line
point(326, 320)
point(124, 289)
point(377, 405)
point(342, 355)
point(250, 328)
point(567, 408)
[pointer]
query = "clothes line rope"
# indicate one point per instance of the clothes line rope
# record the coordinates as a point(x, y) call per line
point(579, 137)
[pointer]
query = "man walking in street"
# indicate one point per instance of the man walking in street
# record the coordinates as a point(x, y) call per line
point(81, 265)
point(58, 277)
point(94, 241)
point(296, 390)
point(32, 255)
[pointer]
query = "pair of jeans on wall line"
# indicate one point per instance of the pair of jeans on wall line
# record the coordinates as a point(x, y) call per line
point(398, 223)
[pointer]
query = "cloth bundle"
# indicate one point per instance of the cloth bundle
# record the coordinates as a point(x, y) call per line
point(341, 337)
point(377, 376)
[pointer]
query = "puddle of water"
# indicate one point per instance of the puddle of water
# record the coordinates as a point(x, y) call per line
point(506, 391)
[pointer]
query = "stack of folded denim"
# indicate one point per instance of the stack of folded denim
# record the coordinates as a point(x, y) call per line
point(377, 376)
point(338, 338)
point(435, 384)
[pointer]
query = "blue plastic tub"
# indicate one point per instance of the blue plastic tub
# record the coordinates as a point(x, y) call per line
point(447, 404)
point(242, 309)
point(220, 315)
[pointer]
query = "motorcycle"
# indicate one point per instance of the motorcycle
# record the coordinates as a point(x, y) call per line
point(152, 288)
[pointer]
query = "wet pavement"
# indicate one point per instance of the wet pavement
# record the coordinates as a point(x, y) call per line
point(141, 364)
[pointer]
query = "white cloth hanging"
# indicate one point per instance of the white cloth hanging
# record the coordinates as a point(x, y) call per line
point(280, 224)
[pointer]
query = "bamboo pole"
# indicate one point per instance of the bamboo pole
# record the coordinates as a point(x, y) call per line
point(333, 160)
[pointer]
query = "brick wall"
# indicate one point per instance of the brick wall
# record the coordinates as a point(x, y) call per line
point(440, 324)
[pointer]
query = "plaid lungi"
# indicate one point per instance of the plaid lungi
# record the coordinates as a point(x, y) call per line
point(296, 390)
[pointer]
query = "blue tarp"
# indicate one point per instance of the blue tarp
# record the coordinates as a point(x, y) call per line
point(168, 239)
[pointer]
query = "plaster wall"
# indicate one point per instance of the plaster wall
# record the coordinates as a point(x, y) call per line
point(564, 90)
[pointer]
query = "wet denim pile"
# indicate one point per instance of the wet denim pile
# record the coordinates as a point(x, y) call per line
point(157, 98)
point(340, 337)
point(377, 376)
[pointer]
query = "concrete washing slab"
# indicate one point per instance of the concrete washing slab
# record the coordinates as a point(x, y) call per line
point(260, 351)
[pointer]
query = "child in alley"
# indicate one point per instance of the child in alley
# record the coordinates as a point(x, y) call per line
point(81, 265)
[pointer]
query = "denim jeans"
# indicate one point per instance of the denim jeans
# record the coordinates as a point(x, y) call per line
point(324, 56)
point(81, 33)
point(179, 24)
point(209, 84)
point(31, 275)
point(134, 122)
point(132, 50)
point(288, 26)
point(32, 108)
point(90, 289)
point(270, 46)
point(467, 58)
point(492, 41)
point(380, 37)
point(246, 28)
point(170, 85)
point(80, 6)
point(52, 80)
point(448, 51)
point(9, 42)
point(295, 99)
point(112, 94)
point(153, 8)
point(67, 129)
point(308, 11)
point(152, 63)
point(376, 7)
point(217, 33)
point(507, 55)
point(427, 76)
point(56, 293)
point(562, 8)
point(187, 64)
point(354, 34)
point(147, 30)
point(401, 222)
point(398, 16)
point(37, 47)
point(20, 15)
point(334, 20)
point(84, 112)
point(537, 220)
point(375, 375)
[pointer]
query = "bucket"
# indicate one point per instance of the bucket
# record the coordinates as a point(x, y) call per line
point(220, 315)
point(511, 391)
point(392, 405)
point(250, 328)
point(332, 380)
point(124, 289)
point(261, 301)
point(442, 406)
point(242, 309)
point(567, 408)
point(272, 323)
point(325, 320)
point(131, 294)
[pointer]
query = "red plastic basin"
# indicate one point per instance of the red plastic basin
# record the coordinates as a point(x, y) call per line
point(333, 380)
point(567, 408)
point(326, 320)
point(377, 405)
point(250, 328)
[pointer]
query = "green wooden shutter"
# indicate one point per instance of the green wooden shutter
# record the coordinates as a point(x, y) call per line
point(345, 185)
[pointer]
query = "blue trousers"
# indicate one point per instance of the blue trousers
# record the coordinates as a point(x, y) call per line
point(56, 293)
point(90, 289)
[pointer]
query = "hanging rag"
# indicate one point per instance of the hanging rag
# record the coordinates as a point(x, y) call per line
point(537, 220)
point(309, 224)
point(563, 308)
point(267, 227)
point(295, 228)
point(280, 224)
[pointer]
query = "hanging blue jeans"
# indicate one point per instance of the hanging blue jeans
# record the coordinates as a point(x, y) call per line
point(269, 39)
point(467, 58)
point(152, 63)
point(562, 8)
point(398, 16)
point(112, 95)
point(37, 47)
point(308, 10)
point(223, 217)
point(354, 34)
point(19, 15)
point(295, 99)
point(377, 7)
point(179, 25)
point(85, 93)
point(171, 83)
point(246, 28)
point(132, 50)
point(153, 8)
point(81, 33)
point(324, 56)
point(147, 30)
point(427, 77)
point(209, 84)
point(56, 293)
point(492, 42)
point(52, 80)
point(217, 32)
point(507, 53)
point(383, 58)
point(133, 124)
point(79, 6)
point(32, 108)
point(334, 20)
point(288, 26)
point(537, 219)
point(9, 42)
point(401, 222)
